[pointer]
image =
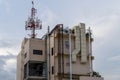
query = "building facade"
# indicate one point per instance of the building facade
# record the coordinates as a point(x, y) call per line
point(62, 54)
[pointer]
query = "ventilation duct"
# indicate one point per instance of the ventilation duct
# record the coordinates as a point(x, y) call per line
point(80, 43)
point(83, 43)
point(77, 43)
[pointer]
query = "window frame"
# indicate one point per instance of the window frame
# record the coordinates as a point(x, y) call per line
point(37, 52)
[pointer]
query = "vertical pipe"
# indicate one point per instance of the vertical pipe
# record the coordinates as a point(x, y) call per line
point(49, 49)
point(54, 52)
point(90, 52)
point(46, 57)
point(62, 54)
point(59, 54)
point(70, 57)
point(33, 32)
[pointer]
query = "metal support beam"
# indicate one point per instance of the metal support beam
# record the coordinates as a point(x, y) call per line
point(70, 54)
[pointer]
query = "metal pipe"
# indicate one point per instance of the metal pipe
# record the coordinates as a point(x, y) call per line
point(70, 53)
point(59, 54)
point(49, 49)
point(62, 54)
point(48, 54)
point(90, 52)
point(46, 57)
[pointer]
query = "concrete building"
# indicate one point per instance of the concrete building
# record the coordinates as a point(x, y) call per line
point(31, 60)
point(61, 54)
point(48, 58)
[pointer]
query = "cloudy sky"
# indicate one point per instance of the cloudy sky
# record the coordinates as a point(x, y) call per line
point(103, 16)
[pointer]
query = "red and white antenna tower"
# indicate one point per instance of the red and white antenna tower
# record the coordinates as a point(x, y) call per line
point(33, 23)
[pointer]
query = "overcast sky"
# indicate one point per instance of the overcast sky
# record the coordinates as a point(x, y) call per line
point(103, 16)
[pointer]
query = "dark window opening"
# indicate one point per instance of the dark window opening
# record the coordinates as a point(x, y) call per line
point(37, 52)
point(52, 69)
point(36, 69)
point(52, 51)
point(25, 55)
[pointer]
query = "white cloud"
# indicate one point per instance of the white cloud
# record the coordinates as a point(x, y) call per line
point(106, 44)
point(48, 17)
point(7, 51)
point(105, 25)
point(8, 46)
point(104, 31)
point(3, 52)
point(115, 58)
point(10, 65)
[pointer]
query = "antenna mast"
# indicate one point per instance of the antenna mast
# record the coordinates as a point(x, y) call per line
point(33, 23)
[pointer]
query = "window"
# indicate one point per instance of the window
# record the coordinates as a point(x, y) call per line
point(52, 69)
point(25, 55)
point(52, 51)
point(37, 52)
point(67, 44)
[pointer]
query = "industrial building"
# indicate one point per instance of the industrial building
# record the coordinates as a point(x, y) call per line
point(61, 54)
